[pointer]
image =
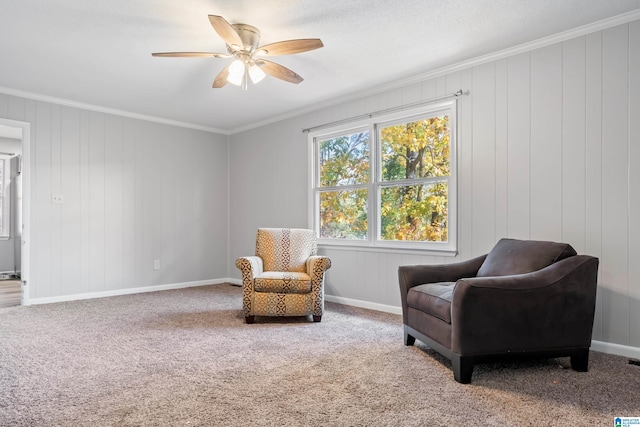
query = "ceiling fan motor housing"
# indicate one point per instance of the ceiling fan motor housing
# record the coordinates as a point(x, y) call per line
point(249, 35)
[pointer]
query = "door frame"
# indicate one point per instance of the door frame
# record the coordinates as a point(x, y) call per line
point(25, 267)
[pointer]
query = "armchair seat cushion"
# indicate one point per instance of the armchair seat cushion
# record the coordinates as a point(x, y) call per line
point(283, 282)
point(432, 298)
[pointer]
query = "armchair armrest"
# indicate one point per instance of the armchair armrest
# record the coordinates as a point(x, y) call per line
point(549, 308)
point(414, 275)
point(316, 266)
point(250, 267)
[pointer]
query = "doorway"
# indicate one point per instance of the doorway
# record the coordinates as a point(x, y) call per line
point(14, 254)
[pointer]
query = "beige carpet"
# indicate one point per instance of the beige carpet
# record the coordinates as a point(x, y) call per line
point(186, 358)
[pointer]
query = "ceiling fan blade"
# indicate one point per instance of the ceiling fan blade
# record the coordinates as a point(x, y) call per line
point(221, 78)
point(288, 47)
point(225, 30)
point(192, 54)
point(278, 71)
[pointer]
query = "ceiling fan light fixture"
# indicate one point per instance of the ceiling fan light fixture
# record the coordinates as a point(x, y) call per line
point(256, 73)
point(236, 80)
point(236, 72)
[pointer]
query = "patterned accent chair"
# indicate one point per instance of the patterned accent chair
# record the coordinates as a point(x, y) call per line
point(285, 277)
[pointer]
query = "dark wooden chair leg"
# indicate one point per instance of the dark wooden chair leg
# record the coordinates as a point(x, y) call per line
point(317, 318)
point(249, 319)
point(580, 360)
point(462, 368)
point(408, 339)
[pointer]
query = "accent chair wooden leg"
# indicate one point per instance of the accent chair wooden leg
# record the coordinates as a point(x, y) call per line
point(580, 360)
point(249, 319)
point(317, 318)
point(462, 368)
point(409, 340)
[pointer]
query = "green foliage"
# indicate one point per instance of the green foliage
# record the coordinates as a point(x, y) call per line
point(343, 214)
point(344, 160)
point(413, 150)
point(414, 212)
point(417, 149)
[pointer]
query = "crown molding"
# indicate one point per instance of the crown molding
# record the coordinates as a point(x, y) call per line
point(517, 50)
point(469, 63)
point(107, 110)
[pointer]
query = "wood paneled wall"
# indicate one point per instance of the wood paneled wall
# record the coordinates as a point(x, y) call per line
point(134, 191)
point(549, 149)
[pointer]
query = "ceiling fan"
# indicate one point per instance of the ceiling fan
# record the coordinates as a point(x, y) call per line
point(243, 44)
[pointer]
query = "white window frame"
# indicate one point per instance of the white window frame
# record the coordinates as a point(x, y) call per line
point(373, 124)
point(5, 195)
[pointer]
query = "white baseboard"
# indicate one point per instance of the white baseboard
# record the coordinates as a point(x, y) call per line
point(617, 349)
point(127, 291)
point(237, 282)
point(364, 304)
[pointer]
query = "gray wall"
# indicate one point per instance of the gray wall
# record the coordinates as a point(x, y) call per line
point(134, 191)
point(268, 184)
point(549, 148)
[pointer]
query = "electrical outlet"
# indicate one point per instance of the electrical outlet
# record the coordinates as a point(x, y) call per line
point(57, 198)
point(156, 264)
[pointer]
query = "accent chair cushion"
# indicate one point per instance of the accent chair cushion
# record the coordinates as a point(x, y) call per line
point(283, 282)
point(433, 299)
point(511, 256)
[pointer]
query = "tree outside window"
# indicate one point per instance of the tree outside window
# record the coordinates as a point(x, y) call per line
point(416, 153)
point(344, 177)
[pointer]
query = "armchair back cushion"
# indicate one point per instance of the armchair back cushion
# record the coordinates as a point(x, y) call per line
point(285, 249)
point(510, 256)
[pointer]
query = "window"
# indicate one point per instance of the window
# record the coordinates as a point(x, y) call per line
point(387, 182)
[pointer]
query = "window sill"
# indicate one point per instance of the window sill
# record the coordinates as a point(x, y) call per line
point(387, 249)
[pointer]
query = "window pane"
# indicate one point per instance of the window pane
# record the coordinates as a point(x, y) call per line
point(343, 214)
point(418, 149)
point(414, 212)
point(344, 160)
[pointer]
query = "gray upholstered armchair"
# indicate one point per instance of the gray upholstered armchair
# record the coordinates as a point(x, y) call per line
point(523, 299)
point(285, 277)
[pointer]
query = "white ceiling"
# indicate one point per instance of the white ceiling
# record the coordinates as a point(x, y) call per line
point(99, 53)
